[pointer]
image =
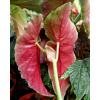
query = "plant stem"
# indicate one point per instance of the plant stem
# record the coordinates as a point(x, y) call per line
point(43, 50)
point(77, 18)
point(57, 51)
point(39, 97)
point(59, 96)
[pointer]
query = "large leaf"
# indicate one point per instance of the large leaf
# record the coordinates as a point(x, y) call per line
point(50, 5)
point(19, 18)
point(85, 9)
point(79, 73)
point(34, 5)
point(27, 55)
point(59, 28)
point(40, 6)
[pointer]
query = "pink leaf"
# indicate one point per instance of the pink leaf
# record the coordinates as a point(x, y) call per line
point(59, 28)
point(27, 55)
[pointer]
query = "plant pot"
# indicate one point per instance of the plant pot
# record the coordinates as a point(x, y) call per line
point(12, 86)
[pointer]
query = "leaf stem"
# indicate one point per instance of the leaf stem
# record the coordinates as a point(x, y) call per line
point(39, 97)
point(57, 51)
point(77, 18)
point(59, 96)
point(43, 50)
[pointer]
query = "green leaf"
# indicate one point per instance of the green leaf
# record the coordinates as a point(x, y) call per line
point(50, 5)
point(12, 51)
point(34, 5)
point(11, 29)
point(19, 18)
point(79, 73)
point(87, 97)
point(40, 6)
point(46, 78)
point(81, 2)
point(44, 68)
point(45, 75)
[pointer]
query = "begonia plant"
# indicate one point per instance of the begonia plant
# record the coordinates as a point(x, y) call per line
point(66, 63)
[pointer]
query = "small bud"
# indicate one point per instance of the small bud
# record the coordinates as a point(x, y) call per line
point(51, 53)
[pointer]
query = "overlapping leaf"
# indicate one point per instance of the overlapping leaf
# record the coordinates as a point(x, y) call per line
point(27, 55)
point(85, 9)
point(19, 18)
point(59, 28)
point(40, 6)
point(50, 5)
point(79, 73)
point(34, 5)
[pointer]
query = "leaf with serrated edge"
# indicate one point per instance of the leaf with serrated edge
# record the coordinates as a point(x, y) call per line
point(20, 16)
point(79, 73)
point(59, 28)
point(27, 55)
